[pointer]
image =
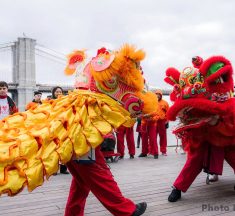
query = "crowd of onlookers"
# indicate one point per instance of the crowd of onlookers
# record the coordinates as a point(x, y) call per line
point(8, 106)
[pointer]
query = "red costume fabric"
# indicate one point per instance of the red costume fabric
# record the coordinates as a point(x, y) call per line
point(129, 133)
point(196, 162)
point(204, 103)
point(97, 178)
point(161, 131)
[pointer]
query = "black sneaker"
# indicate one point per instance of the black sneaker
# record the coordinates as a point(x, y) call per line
point(121, 157)
point(156, 156)
point(175, 195)
point(132, 156)
point(143, 155)
point(63, 169)
point(64, 172)
point(140, 209)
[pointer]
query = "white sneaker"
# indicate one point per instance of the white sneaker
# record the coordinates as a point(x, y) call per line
point(213, 178)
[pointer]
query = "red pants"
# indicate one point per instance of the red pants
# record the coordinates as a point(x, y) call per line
point(98, 179)
point(194, 166)
point(129, 139)
point(214, 160)
point(161, 130)
point(149, 139)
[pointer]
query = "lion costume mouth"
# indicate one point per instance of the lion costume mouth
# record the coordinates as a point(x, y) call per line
point(191, 118)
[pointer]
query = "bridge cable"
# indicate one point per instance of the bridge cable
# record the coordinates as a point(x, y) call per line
point(47, 53)
point(40, 45)
point(51, 59)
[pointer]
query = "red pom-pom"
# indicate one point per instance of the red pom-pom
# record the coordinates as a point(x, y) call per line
point(197, 61)
point(76, 58)
point(102, 50)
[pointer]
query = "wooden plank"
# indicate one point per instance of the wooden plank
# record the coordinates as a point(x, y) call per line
point(141, 179)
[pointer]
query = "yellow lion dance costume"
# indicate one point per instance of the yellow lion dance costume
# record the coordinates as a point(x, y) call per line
point(111, 91)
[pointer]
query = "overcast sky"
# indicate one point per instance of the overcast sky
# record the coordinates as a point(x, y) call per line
point(170, 32)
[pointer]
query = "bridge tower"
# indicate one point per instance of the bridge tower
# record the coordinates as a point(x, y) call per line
point(24, 73)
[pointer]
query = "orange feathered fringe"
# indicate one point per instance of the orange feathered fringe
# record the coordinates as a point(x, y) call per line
point(129, 60)
point(126, 66)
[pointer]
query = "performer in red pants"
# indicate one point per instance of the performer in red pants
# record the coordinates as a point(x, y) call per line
point(194, 165)
point(149, 139)
point(162, 123)
point(129, 132)
point(161, 127)
point(204, 103)
point(97, 178)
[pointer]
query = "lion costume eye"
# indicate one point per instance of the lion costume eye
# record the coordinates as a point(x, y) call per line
point(182, 83)
point(191, 80)
point(199, 78)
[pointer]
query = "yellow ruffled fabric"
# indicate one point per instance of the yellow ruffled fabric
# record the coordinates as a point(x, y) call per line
point(32, 143)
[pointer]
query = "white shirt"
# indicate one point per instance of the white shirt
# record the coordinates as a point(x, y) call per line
point(4, 108)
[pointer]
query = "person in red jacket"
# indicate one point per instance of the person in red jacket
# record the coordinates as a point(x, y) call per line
point(162, 123)
point(129, 132)
point(7, 105)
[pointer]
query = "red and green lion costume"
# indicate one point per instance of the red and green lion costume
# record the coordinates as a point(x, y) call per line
point(205, 106)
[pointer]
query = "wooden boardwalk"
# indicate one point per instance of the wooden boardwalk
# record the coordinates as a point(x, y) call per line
point(141, 179)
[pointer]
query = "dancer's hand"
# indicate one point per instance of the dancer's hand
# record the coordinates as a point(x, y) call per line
point(214, 120)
